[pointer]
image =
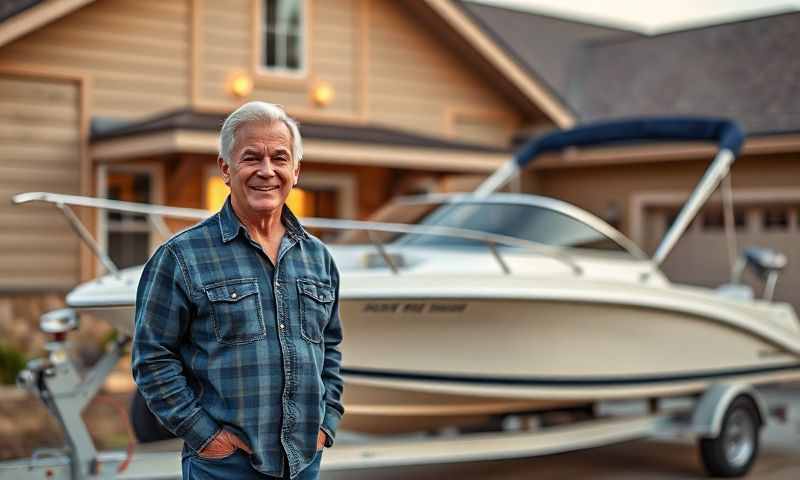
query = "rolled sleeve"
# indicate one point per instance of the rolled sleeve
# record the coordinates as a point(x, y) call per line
point(201, 429)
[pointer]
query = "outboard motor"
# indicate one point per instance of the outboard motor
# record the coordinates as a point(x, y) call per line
point(766, 263)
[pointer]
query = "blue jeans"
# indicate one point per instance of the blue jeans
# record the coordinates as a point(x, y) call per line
point(236, 466)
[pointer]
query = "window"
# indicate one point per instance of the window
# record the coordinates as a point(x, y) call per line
point(304, 202)
point(216, 191)
point(128, 235)
point(775, 218)
point(714, 219)
point(282, 30)
point(313, 202)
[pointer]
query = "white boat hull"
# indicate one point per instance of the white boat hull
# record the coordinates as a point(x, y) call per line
point(421, 358)
point(522, 355)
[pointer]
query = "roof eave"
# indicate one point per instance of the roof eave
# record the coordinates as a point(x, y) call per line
point(183, 141)
point(36, 17)
point(539, 94)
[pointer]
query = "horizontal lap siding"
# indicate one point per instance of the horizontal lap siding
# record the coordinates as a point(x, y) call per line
point(480, 130)
point(416, 80)
point(385, 66)
point(335, 51)
point(38, 151)
point(136, 53)
point(227, 46)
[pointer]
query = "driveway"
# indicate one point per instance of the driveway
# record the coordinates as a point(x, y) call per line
point(640, 460)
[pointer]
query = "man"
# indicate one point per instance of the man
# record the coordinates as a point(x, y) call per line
point(237, 329)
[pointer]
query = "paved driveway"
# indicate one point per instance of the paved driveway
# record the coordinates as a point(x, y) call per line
point(641, 460)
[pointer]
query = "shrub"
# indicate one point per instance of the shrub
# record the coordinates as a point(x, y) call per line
point(12, 361)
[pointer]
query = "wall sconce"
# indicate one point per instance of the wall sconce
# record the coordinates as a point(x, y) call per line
point(323, 94)
point(240, 85)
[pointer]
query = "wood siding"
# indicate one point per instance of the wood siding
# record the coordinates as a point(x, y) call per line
point(39, 151)
point(415, 81)
point(335, 50)
point(135, 51)
point(384, 66)
point(146, 57)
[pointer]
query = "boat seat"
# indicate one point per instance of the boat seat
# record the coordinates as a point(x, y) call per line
point(765, 263)
point(765, 260)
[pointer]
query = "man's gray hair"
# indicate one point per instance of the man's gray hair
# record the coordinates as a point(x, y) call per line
point(257, 112)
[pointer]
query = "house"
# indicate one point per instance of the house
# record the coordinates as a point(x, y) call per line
point(124, 98)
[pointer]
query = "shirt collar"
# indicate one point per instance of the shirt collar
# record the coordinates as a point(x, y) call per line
point(230, 226)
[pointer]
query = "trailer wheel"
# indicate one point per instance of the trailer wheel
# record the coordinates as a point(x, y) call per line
point(734, 451)
point(145, 425)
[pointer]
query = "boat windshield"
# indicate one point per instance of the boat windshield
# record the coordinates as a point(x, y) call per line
point(535, 223)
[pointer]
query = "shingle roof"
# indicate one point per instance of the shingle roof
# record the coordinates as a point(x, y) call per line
point(185, 119)
point(9, 8)
point(746, 70)
point(548, 47)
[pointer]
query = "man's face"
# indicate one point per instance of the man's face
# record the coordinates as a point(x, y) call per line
point(262, 169)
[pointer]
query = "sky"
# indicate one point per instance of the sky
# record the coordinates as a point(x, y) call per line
point(651, 16)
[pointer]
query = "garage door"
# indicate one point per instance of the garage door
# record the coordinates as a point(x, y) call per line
point(701, 256)
point(39, 151)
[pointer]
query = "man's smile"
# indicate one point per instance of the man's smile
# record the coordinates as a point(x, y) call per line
point(265, 188)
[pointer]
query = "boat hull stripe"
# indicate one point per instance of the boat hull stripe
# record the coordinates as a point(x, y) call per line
point(566, 381)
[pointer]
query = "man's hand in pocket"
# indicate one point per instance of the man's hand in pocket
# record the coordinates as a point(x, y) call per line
point(321, 439)
point(223, 444)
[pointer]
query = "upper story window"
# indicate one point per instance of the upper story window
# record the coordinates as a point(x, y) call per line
point(282, 30)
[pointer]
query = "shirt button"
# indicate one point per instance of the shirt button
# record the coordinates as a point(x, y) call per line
point(234, 295)
point(283, 326)
point(277, 284)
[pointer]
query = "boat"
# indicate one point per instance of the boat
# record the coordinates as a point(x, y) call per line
point(482, 305)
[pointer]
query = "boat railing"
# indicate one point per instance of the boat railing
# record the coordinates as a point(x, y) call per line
point(156, 213)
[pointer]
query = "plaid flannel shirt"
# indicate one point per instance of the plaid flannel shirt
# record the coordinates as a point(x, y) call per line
point(224, 339)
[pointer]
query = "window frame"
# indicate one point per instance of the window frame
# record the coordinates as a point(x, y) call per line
point(261, 71)
point(156, 173)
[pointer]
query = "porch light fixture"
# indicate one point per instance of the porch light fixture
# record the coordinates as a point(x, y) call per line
point(240, 85)
point(323, 94)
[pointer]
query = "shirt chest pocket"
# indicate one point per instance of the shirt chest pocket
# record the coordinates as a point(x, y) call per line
point(316, 303)
point(236, 312)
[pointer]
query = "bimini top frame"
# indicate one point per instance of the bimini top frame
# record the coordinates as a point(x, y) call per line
point(725, 133)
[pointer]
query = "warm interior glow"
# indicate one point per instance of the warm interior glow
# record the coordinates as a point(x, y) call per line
point(298, 202)
point(216, 193)
point(323, 94)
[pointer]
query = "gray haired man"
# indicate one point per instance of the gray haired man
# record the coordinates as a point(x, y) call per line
point(237, 326)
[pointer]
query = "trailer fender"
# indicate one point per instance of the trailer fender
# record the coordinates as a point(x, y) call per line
point(710, 410)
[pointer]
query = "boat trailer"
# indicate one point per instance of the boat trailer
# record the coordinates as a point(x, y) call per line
point(726, 419)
